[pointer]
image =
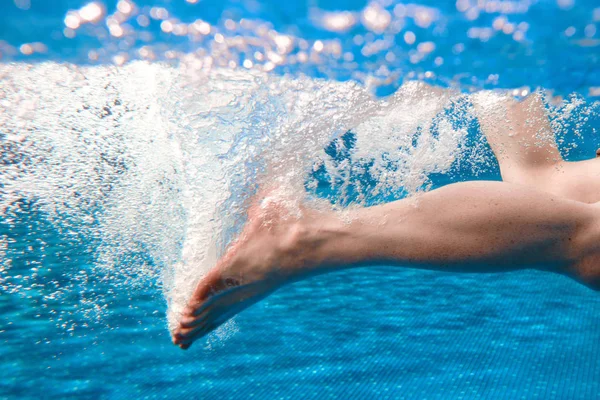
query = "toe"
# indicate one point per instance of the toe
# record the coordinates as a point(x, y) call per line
point(190, 321)
point(188, 335)
point(176, 338)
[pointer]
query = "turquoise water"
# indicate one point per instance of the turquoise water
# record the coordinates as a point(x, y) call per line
point(368, 333)
point(117, 176)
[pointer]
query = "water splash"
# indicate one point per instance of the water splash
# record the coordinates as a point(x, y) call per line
point(145, 171)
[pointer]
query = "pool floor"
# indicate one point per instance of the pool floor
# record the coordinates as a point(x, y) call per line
point(369, 333)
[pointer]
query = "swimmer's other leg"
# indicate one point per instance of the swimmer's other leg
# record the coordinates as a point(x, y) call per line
point(471, 226)
point(519, 133)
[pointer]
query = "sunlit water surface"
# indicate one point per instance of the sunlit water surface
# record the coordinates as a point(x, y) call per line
point(125, 173)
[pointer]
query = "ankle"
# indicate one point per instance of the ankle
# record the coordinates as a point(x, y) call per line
point(311, 240)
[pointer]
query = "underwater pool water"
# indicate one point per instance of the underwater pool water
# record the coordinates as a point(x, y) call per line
point(369, 333)
point(132, 134)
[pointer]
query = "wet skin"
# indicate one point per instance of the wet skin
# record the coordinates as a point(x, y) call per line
point(544, 216)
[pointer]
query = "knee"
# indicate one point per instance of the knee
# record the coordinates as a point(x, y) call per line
point(587, 271)
point(586, 251)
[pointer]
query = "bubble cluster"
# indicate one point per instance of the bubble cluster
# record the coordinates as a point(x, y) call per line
point(141, 175)
point(145, 171)
point(75, 175)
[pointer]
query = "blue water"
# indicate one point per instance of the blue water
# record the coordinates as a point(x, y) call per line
point(558, 48)
point(369, 333)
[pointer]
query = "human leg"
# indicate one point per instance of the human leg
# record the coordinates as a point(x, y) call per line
point(519, 133)
point(472, 226)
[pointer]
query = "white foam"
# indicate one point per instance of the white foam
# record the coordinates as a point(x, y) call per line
point(150, 161)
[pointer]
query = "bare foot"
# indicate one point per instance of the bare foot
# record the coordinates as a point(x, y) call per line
point(263, 258)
